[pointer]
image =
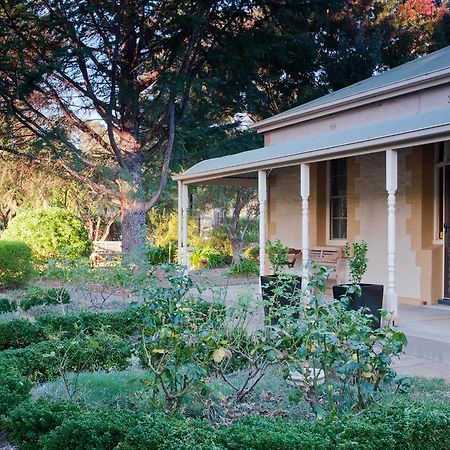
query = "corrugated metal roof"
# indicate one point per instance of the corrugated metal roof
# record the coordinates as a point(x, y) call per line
point(329, 143)
point(422, 66)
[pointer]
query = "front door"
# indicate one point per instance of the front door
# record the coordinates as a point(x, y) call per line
point(446, 231)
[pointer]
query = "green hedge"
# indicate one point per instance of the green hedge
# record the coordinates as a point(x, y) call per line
point(54, 425)
point(7, 306)
point(20, 333)
point(41, 362)
point(16, 263)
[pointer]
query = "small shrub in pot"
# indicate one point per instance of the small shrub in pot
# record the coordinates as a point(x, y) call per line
point(360, 295)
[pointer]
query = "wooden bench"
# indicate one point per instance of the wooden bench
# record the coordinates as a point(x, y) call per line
point(332, 258)
point(104, 251)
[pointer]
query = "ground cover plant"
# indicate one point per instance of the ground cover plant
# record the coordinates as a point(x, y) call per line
point(180, 372)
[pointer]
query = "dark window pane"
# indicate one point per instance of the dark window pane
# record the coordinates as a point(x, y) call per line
point(338, 199)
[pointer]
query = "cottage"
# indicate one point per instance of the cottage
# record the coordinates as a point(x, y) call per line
point(368, 162)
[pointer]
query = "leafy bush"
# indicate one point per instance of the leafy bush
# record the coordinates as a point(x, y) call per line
point(357, 260)
point(162, 254)
point(122, 324)
point(252, 253)
point(219, 240)
point(43, 297)
point(55, 425)
point(161, 432)
point(207, 257)
point(7, 306)
point(341, 360)
point(14, 388)
point(46, 360)
point(96, 429)
point(278, 255)
point(49, 232)
point(16, 262)
point(19, 333)
point(32, 419)
point(244, 267)
point(177, 341)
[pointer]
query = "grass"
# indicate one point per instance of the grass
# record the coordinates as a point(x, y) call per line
point(271, 397)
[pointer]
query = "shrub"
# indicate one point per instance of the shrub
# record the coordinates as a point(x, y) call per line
point(43, 297)
point(33, 419)
point(177, 341)
point(207, 257)
point(122, 324)
point(7, 306)
point(159, 432)
point(19, 333)
point(50, 232)
point(244, 267)
point(16, 266)
point(14, 388)
point(252, 253)
point(46, 360)
point(96, 429)
point(220, 241)
point(162, 254)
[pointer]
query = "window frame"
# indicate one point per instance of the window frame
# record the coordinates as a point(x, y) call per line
point(438, 165)
point(329, 239)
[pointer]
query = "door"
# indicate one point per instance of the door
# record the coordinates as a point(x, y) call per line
point(446, 230)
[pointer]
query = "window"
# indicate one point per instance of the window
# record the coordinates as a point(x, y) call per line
point(338, 199)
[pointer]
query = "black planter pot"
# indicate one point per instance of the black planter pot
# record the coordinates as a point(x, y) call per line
point(268, 287)
point(371, 298)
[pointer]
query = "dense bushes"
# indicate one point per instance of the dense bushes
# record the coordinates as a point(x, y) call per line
point(20, 333)
point(44, 297)
point(7, 306)
point(16, 266)
point(47, 359)
point(55, 425)
point(204, 257)
point(49, 232)
point(245, 267)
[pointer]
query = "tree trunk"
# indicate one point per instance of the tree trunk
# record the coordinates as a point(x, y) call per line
point(133, 213)
point(134, 233)
point(236, 248)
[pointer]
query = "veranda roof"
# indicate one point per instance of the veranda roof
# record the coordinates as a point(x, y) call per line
point(378, 136)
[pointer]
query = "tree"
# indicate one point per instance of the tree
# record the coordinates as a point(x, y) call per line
point(128, 67)
point(238, 206)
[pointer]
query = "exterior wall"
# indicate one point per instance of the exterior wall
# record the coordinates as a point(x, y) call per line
point(406, 105)
point(419, 258)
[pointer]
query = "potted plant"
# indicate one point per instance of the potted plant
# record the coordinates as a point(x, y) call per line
point(360, 295)
point(279, 289)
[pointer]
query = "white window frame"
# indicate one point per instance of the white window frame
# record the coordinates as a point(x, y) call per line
point(329, 240)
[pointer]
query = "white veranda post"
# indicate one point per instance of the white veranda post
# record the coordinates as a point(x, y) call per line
point(184, 225)
point(304, 192)
point(391, 187)
point(180, 222)
point(262, 197)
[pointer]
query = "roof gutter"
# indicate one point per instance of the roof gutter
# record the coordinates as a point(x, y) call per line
point(406, 86)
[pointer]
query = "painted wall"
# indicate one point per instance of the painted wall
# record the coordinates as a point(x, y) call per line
point(380, 111)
